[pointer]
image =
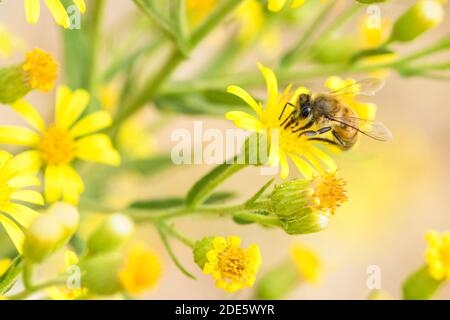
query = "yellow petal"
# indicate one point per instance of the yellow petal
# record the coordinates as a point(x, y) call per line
point(53, 184)
point(18, 136)
point(29, 196)
point(325, 158)
point(244, 95)
point(81, 5)
point(284, 173)
point(91, 123)
point(97, 148)
point(75, 106)
point(59, 12)
point(20, 213)
point(24, 181)
point(70, 258)
point(72, 185)
point(29, 114)
point(305, 168)
point(63, 96)
point(234, 241)
point(28, 161)
point(297, 3)
point(271, 84)
point(32, 10)
point(14, 232)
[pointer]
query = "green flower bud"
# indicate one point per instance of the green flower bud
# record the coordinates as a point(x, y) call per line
point(201, 248)
point(305, 206)
point(278, 282)
point(111, 234)
point(101, 273)
point(42, 238)
point(67, 216)
point(13, 84)
point(421, 17)
point(336, 49)
point(309, 221)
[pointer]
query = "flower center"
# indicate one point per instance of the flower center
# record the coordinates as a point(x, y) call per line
point(232, 262)
point(41, 70)
point(57, 146)
point(329, 192)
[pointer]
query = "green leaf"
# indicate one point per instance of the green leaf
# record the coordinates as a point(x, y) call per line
point(205, 186)
point(149, 166)
point(8, 279)
point(420, 285)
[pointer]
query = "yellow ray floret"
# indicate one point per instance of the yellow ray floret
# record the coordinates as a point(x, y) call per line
point(15, 215)
point(33, 11)
point(232, 266)
point(308, 263)
point(54, 147)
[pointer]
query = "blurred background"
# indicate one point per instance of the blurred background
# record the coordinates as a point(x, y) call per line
point(397, 190)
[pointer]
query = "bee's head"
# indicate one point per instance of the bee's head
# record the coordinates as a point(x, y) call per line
point(304, 101)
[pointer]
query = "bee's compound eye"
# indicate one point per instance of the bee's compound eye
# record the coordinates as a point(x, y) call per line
point(306, 111)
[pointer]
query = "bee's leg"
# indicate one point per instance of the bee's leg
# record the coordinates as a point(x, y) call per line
point(325, 140)
point(338, 138)
point(311, 133)
point(282, 112)
point(306, 126)
point(285, 120)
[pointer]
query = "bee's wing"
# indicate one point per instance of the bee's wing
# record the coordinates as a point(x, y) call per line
point(365, 87)
point(371, 128)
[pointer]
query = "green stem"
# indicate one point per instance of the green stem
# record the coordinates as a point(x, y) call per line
point(97, 13)
point(178, 235)
point(27, 292)
point(289, 57)
point(259, 218)
point(27, 276)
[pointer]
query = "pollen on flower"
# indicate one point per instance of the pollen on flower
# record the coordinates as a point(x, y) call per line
point(437, 254)
point(232, 266)
point(41, 70)
point(57, 146)
point(328, 192)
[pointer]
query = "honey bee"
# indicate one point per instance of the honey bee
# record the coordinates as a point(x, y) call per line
point(330, 114)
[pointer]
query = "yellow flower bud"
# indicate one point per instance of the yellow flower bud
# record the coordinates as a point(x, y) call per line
point(421, 17)
point(39, 71)
point(43, 237)
point(111, 234)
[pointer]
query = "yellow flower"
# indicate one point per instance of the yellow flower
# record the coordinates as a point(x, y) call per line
point(299, 149)
point(8, 43)
point(16, 216)
point(4, 265)
point(65, 293)
point(231, 266)
point(363, 110)
point(142, 269)
point(33, 11)
point(56, 146)
point(308, 263)
point(437, 255)
point(198, 9)
point(41, 70)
